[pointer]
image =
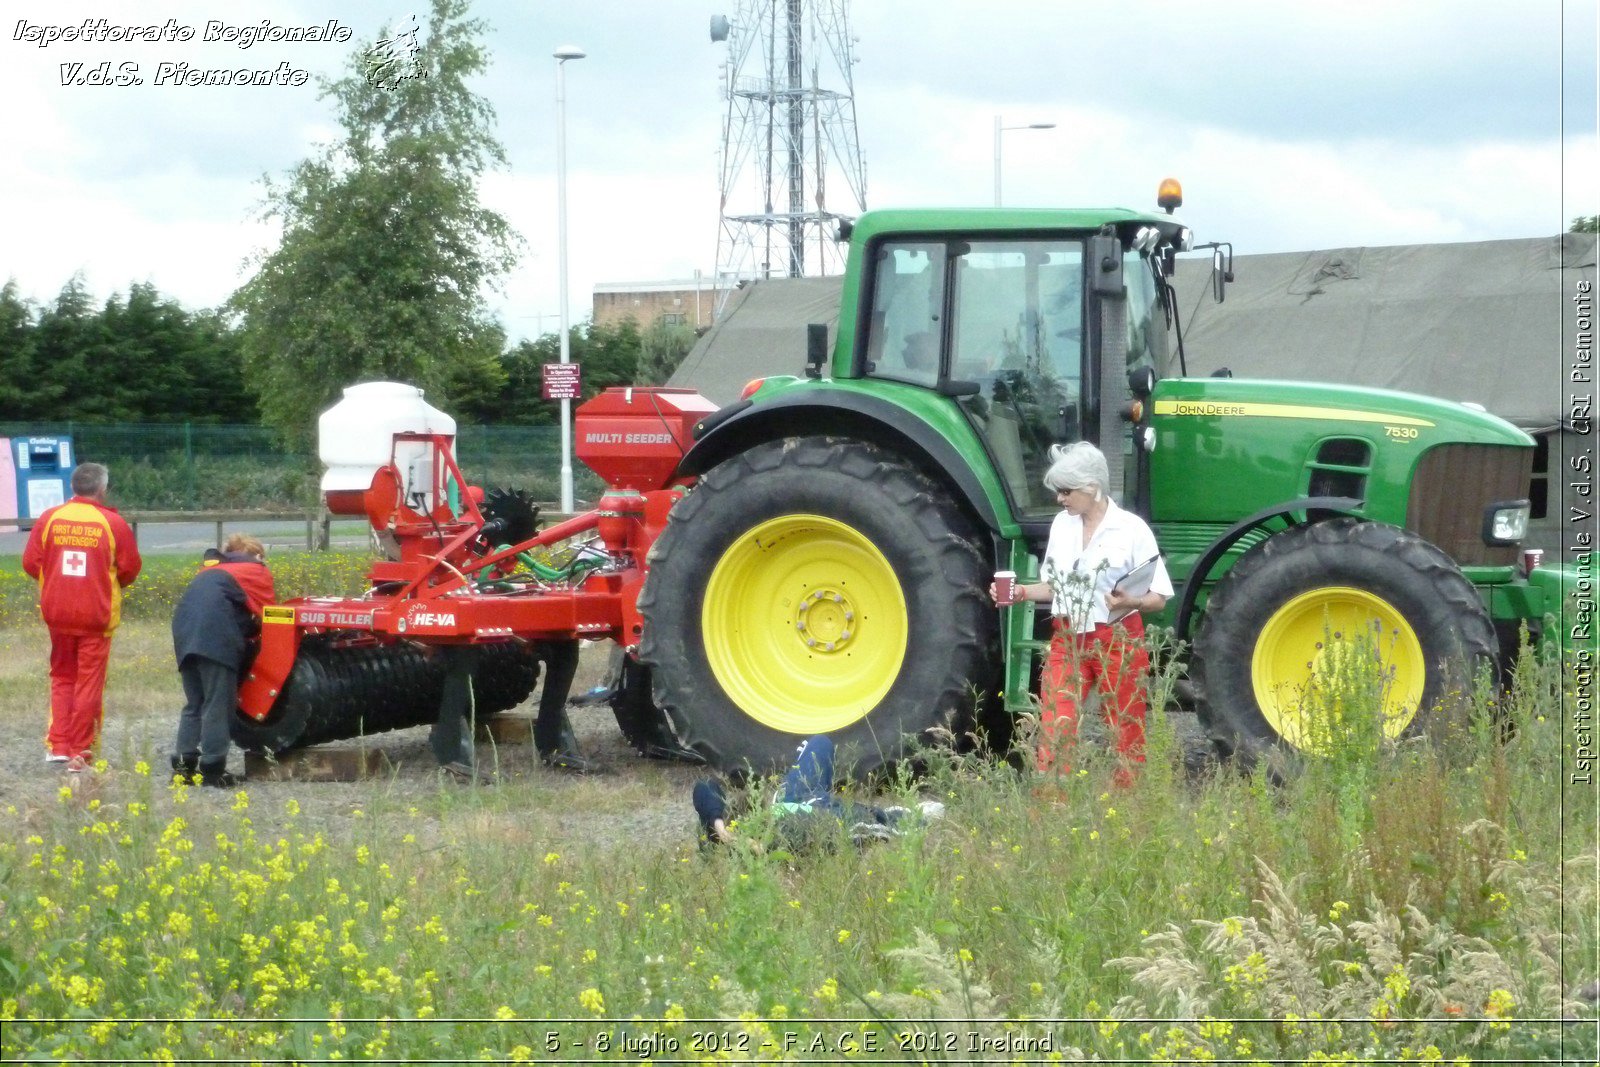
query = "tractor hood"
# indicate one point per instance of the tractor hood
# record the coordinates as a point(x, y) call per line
point(1226, 447)
point(1212, 401)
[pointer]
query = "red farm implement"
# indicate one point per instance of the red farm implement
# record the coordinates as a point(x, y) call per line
point(466, 568)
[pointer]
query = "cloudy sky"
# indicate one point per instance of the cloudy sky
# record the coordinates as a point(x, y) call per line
point(1291, 125)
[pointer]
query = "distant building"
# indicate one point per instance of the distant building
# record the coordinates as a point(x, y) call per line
point(673, 303)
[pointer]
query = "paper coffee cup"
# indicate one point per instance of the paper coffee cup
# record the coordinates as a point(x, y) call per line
point(1005, 587)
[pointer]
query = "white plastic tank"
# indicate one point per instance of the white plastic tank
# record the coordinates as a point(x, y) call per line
point(355, 437)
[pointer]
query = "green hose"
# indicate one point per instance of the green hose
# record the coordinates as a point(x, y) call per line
point(572, 572)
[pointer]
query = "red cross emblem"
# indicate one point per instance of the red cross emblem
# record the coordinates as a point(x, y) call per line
point(75, 563)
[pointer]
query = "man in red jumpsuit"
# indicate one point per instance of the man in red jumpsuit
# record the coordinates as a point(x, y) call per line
point(82, 553)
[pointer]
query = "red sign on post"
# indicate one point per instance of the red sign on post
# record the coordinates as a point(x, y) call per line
point(562, 381)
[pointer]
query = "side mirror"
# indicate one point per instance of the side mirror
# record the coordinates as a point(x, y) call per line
point(816, 348)
point(1221, 268)
point(1105, 264)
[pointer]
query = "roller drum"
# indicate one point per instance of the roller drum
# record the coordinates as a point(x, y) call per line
point(338, 693)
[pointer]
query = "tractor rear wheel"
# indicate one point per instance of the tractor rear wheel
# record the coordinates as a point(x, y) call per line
point(645, 726)
point(1336, 616)
point(815, 585)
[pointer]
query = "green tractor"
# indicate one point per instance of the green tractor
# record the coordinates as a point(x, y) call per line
point(829, 571)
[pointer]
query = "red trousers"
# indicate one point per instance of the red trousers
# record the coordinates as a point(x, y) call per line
point(77, 692)
point(1114, 660)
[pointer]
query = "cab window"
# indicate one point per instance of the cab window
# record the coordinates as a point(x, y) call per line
point(904, 334)
point(1017, 331)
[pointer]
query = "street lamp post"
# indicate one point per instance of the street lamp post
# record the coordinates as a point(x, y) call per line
point(562, 54)
point(998, 130)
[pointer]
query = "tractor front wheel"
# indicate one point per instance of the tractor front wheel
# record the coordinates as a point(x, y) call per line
point(815, 585)
point(1335, 631)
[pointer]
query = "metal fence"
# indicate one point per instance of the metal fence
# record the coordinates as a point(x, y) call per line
point(194, 466)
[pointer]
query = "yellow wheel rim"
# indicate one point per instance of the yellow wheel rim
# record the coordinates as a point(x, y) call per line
point(1337, 663)
point(805, 624)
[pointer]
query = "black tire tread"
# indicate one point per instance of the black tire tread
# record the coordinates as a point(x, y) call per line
point(963, 567)
point(1475, 631)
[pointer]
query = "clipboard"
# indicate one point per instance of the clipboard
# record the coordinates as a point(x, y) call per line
point(1136, 583)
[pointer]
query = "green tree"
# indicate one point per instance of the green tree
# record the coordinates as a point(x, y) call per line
point(608, 355)
point(1585, 224)
point(214, 355)
point(172, 366)
point(139, 358)
point(474, 385)
point(67, 339)
point(661, 349)
point(19, 374)
point(386, 249)
point(522, 400)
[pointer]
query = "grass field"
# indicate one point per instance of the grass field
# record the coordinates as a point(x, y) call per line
point(1415, 902)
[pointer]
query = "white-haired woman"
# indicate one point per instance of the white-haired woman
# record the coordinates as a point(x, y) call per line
point(1099, 632)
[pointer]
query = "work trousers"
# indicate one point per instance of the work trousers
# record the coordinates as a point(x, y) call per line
point(211, 696)
point(1113, 660)
point(77, 692)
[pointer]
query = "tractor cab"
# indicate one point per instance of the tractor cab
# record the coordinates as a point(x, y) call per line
point(1012, 320)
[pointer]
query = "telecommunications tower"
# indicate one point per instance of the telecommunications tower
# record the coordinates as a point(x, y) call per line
point(788, 141)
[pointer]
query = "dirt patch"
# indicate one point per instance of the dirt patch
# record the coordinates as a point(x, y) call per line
point(625, 798)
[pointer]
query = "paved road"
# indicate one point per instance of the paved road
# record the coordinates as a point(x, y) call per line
point(196, 537)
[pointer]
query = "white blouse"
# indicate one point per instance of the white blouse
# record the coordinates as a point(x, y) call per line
point(1082, 575)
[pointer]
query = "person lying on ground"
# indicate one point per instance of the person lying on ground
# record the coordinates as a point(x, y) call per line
point(806, 812)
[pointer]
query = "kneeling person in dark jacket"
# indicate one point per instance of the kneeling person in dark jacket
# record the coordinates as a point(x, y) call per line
point(213, 635)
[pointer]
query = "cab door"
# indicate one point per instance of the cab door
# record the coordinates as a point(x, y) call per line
point(1017, 332)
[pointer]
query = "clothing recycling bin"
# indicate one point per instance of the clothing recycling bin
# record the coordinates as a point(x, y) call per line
point(43, 469)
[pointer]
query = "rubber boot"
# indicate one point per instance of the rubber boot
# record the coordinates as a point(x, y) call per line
point(215, 773)
point(186, 766)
